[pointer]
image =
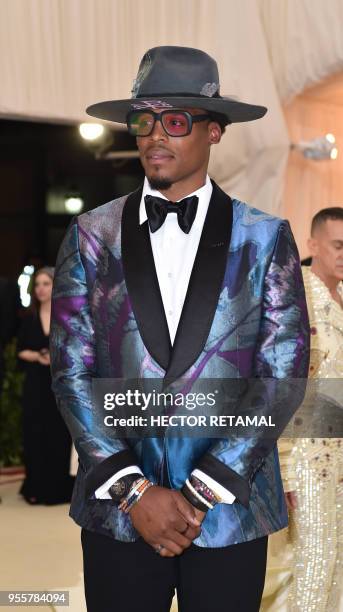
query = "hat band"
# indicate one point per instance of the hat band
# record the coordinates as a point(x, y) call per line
point(178, 95)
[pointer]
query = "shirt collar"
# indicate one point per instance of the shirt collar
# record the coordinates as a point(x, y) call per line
point(204, 194)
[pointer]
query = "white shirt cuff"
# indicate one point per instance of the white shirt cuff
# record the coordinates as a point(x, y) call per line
point(225, 496)
point(102, 492)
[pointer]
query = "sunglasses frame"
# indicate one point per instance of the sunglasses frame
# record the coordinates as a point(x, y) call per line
point(159, 116)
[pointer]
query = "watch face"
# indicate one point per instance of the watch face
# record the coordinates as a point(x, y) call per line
point(121, 487)
point(118, 489)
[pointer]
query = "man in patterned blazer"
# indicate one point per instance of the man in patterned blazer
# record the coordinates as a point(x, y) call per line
point(175, 280)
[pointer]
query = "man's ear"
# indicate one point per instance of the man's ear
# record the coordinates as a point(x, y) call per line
point(312, 246)
point(215, 132)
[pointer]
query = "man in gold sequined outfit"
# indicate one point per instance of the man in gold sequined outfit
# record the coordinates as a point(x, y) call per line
point(308, 576)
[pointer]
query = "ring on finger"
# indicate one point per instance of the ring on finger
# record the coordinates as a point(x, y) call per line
point(158, 549)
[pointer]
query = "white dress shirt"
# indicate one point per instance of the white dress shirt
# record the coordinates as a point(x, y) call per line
point(174, 254)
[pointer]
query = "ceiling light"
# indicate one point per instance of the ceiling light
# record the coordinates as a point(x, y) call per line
point(330, 138)
point(73, 205)
point(318, 148)
point(24, 281)
point(91, 131)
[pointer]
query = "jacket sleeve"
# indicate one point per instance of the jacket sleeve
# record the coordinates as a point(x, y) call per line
point(73, 366)
point(282, 352)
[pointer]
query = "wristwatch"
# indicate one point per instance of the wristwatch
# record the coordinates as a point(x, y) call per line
point(122, 486)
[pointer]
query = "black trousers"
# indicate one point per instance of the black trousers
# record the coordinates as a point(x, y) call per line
point(132, 577)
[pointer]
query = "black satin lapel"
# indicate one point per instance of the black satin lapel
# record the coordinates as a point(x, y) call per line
point(204, 285)
point(142, 283)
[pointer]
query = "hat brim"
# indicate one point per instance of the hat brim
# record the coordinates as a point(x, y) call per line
point(234, 110)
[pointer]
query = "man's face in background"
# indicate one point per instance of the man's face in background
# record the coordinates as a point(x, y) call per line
point(326, 247)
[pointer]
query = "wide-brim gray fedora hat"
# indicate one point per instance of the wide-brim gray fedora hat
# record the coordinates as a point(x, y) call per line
point(177, 77)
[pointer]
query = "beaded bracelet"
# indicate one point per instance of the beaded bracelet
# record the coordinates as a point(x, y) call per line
point(128, 502)
point(133, 492)
point(136, 485)
point(137, 490)
point(199, 496)
point(204, 490)
point(193, 499)
point(137, 497)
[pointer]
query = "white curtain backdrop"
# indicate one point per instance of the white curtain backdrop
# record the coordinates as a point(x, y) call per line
point(59, 56)
point(305, 41)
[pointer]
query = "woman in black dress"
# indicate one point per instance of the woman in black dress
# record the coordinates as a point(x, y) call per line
point(47, 443)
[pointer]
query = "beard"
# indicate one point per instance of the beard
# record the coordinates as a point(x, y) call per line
point(160, 184)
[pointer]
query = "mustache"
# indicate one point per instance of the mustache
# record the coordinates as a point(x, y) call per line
point(160, 149)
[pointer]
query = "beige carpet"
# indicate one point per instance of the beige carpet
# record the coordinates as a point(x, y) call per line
point(40, 549)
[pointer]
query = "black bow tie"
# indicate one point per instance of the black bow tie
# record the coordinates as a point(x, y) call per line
point(158, 208)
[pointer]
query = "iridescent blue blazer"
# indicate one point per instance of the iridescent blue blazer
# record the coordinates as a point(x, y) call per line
point(244, 316)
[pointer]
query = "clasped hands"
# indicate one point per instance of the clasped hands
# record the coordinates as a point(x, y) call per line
point(166, 520)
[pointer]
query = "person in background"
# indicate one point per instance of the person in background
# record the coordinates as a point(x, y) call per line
point(47, 443)
point(314, 561)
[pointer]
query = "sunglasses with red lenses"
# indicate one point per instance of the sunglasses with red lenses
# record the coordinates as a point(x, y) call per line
point(175, 123)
